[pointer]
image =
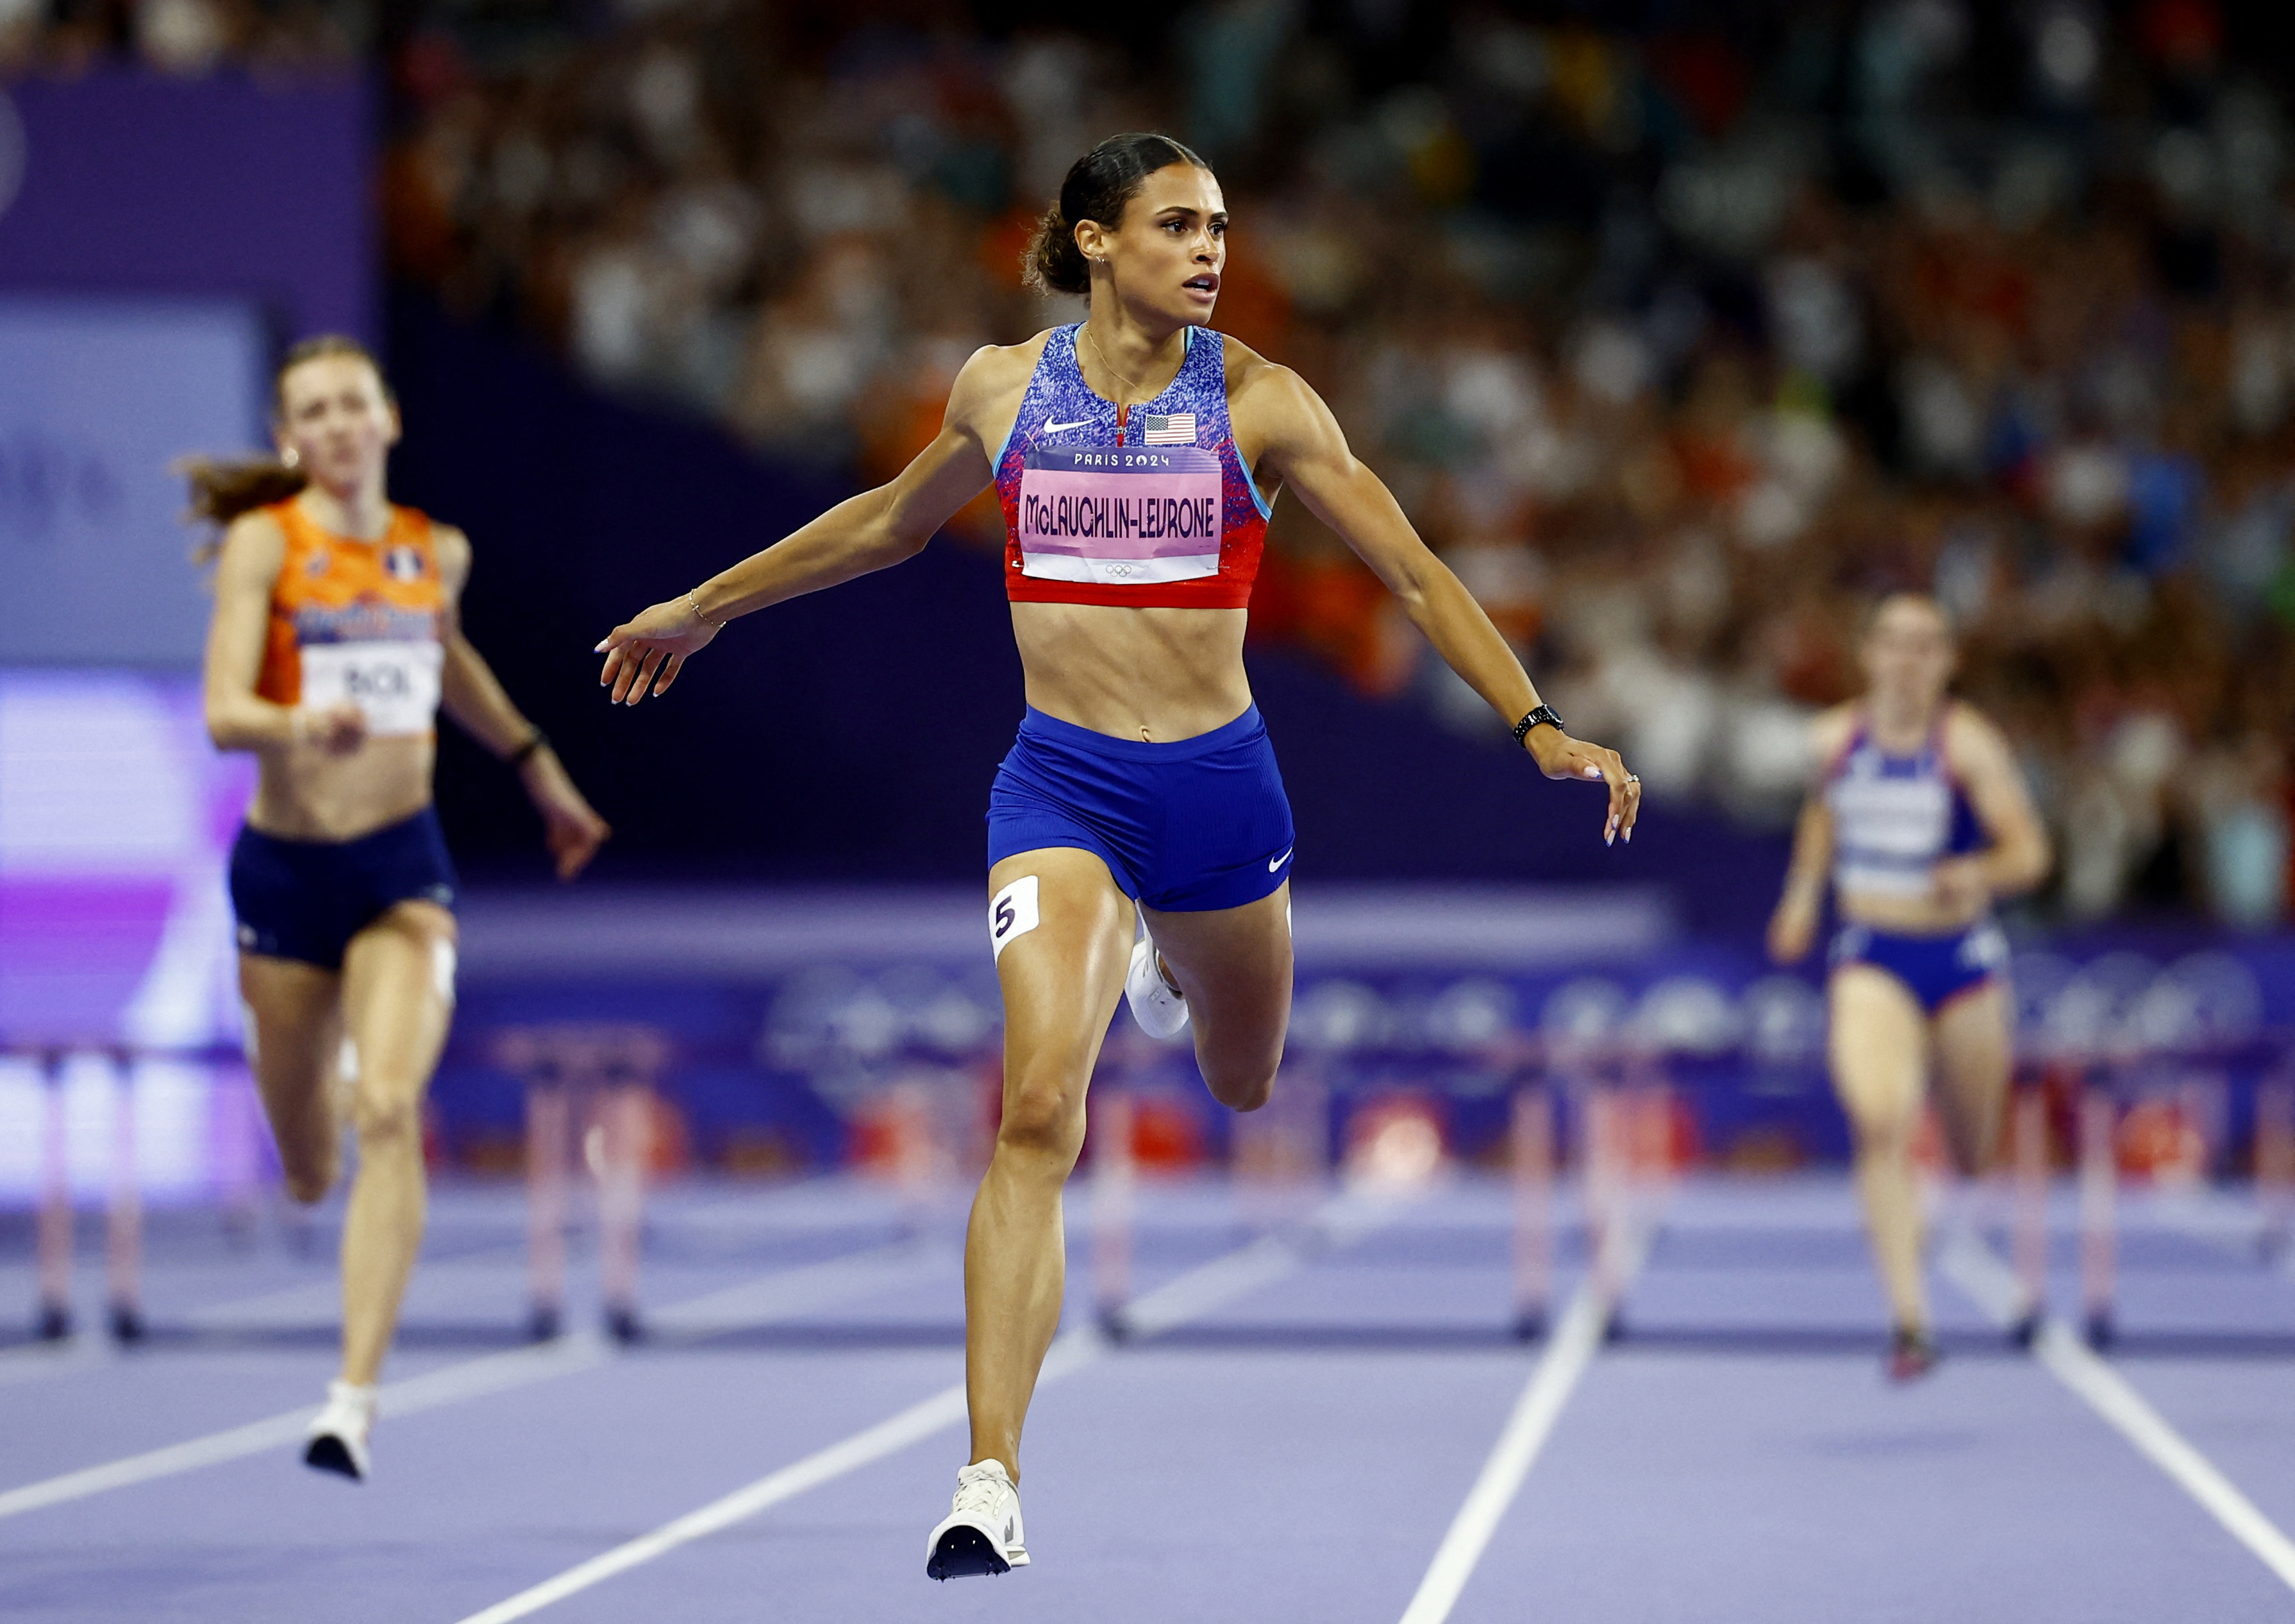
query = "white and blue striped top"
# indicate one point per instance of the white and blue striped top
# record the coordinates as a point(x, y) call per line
point(1895, 816)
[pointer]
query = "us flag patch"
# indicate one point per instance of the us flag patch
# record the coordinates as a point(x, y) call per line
point(1177, 429)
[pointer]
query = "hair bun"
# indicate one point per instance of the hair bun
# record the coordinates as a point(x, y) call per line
point(1096, 188)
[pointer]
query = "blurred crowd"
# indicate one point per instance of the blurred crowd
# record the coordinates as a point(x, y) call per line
point(185, 36)
point(1680, 345)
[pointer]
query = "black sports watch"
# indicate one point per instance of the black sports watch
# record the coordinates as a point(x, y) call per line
point(1543, 716)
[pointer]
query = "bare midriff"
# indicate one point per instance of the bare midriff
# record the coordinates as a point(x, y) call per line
point(1905, 916)
point(305, 793)
point(1157, 675)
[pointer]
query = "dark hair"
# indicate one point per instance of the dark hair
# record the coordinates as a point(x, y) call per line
point(223, 490)
point(1098, 187)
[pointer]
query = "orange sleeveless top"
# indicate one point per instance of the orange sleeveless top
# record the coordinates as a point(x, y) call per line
point(357, 620)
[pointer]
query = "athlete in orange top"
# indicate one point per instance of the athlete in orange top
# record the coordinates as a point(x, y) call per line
point(1137, 455)
point(334, 642)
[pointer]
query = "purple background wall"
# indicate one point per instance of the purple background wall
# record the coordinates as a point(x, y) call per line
point(133, 183)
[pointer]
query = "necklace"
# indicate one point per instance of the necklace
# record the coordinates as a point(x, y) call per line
point(1131, 384)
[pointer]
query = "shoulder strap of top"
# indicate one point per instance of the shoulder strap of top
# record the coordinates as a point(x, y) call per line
point(1207, 354)
point(289, 515)
point(1847, 748)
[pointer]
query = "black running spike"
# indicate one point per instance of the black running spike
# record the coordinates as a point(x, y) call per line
point(963, 1552)
point(328, 1453)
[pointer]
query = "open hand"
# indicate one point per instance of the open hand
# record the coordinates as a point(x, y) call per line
point(1560, 756)
point(646, 654)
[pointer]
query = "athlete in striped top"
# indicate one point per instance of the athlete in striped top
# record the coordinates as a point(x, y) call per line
point(1137, 455)
point(1920, 818)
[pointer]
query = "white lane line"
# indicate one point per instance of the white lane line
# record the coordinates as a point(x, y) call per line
point(1577, 1339)
point(1196, 1292)
point(759, 1301)
point(1992, 1286)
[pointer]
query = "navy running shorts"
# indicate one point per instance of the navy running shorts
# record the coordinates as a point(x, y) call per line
point(1184, 828)
point(1935, 969)
point(307, 899)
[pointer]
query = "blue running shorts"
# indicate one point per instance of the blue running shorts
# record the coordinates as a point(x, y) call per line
point(307, 899)
point(1184, 828)
point(1935, 969)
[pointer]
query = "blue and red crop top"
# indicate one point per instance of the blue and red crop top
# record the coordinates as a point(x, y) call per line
point(1149, 506)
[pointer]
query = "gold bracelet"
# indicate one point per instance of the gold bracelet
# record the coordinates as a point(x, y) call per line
point(695, 603)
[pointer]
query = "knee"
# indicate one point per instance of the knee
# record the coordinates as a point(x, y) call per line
point(1883, 1133)
point(1240, 1087)
point(387, 1119)
point(308, 1186)
point(1043, 1121)
point(309, 1163)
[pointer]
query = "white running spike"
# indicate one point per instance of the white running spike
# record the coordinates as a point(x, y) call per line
point(338, 1432)
point(982, 1532)
point(1159, 1008)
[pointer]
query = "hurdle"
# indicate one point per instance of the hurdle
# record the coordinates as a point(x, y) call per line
point(2029, 1245)
point(1115, 1180)
point(2099, 1194)
point(123, 1207)
point(591, 1085)
point(2275, 1162)
point(55, 1213)
point(1530, 1133)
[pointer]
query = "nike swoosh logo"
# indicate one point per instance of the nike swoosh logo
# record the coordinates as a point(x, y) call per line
point(1276, 862)
point(1052, 427)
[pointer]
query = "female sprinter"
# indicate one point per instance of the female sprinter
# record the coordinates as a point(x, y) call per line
point(333, 643)
point(1921, 819)
point(1136, 454)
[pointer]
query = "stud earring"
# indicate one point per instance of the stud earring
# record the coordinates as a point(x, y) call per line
point(291, 457)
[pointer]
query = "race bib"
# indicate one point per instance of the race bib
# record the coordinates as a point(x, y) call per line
point(1125, 515)
point(395, 684)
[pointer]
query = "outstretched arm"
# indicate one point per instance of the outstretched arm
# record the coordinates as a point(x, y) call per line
point(859, 534)
point(1307, 449)
point(474, 697)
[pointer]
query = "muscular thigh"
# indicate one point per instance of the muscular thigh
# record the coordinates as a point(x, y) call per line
point(1064, 930)
point(1234, 965)
point(1877, 1041)
point(398, 996)
point(295, 1011)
